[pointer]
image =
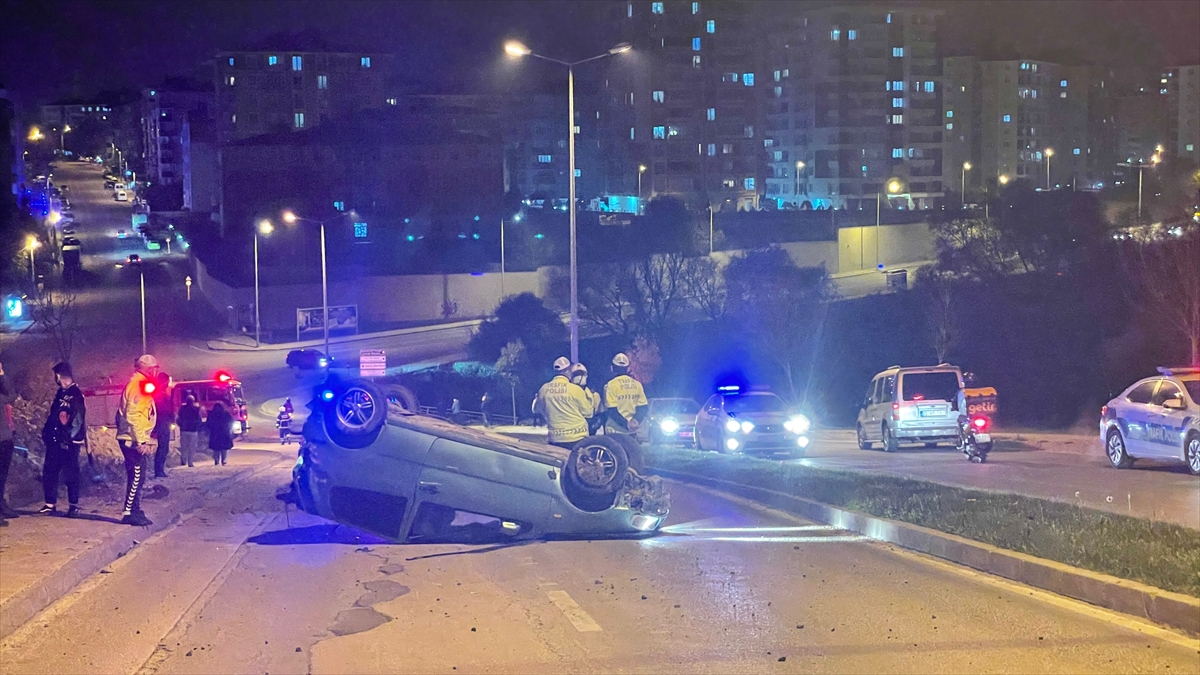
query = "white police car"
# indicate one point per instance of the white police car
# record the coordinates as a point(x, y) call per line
point(1155, 418)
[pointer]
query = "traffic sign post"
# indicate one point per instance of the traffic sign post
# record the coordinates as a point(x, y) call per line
point(187, 281)
point(372, 362)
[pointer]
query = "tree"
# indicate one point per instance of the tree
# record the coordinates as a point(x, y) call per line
point(57, 315)
point(781, 307)
point(937, 291)
point(644, 360)
point(519, 318)
point(706, 287)
point(634, 298)
point(1166, 279)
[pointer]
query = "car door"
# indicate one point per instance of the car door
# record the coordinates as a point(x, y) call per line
point(705, 426)
point(881, 408)
point(1134, 416)
point(864, 414)
point(1165, 432)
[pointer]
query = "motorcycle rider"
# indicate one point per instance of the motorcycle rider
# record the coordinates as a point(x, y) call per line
point(625, 400)
point(64, 434)
point(566, 407)
point(136, 419)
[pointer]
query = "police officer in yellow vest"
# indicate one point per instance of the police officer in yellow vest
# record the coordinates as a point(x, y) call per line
point(565, 405)
point(624, 399)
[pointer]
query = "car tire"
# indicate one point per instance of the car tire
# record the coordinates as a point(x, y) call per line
point(890, 443)
point(1114, 448)
point(863, 443)
point(597, 465)
point(1191, 453)
point(633, 451)
point(402, 397)
point(356, 414)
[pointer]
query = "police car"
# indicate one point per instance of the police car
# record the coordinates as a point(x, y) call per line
point(1155, 418)
point(750, 422)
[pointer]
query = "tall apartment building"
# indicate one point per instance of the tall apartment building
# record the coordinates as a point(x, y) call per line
point(688, 100)
point(165, 110)
point(853, 98)
point(259, 92)
point(1187, 143)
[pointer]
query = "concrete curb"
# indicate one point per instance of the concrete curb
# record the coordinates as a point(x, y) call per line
point(26, 604)
point(218, 345)
point(1128, 597)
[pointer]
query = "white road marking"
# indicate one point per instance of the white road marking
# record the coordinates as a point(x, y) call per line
point(582, 621)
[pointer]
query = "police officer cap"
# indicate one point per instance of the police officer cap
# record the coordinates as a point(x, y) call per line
point(561, 364)
point(621, 361)
point(146, 361)
point(578, 369)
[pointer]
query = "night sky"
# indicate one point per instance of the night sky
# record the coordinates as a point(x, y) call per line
point(55, 49)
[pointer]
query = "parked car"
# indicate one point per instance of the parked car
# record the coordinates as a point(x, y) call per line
point(70, 244)
point(69, 229)
point(407, 477)
point(911, 405)
point(110, 184)
point(121, 196)
point(670, 421)
point(751, 422)
point(1155, 418)
point(306, 359)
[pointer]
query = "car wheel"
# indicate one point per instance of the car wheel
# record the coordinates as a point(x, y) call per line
point(597, 465)
point(863, 443)
point(355, 414)
point(1193, 454)
point(1114, 447)
point(402, 397)
point(633, 451)
point(890, 443)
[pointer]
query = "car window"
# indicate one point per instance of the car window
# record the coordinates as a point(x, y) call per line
point(1142, 393)
point(938, 386)
point(873, 392)
point(887, 389)
point(1193, 387)
point(752, 404)
point(713, 405)
point(1166, 391)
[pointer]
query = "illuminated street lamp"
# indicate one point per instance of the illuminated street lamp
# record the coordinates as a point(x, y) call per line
point(893, 187)
point(516, 49)
point(264, 228)
point(32, 244)
point(965, 168)
point(291, 218)
point(799, 169)
point(1154, 160)
point(641, 170)
point(1003, 179)
point(35, 134)
point(1049, 154)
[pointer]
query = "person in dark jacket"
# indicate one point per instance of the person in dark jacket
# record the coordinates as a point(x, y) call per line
point(64, 434)
point(188, 420)
point(163, 424)
point(220, 433)
point(7, 443)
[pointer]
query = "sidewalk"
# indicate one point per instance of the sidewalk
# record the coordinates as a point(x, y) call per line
point(242, 343)
point(43, 557)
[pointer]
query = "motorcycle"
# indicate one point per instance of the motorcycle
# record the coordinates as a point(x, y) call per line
point(974, 439)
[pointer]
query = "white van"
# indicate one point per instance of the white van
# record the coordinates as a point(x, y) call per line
point(911, 405)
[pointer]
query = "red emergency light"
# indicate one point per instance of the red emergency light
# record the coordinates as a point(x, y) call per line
point(224, 377)
point(148, 387)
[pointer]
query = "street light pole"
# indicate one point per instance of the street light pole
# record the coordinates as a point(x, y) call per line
point(502, 292)
point(324, 293)
point(142, 285)
point(963, 193)
point(710, 230)
point(1049, 154)
point(641, 170)
point(264, 227)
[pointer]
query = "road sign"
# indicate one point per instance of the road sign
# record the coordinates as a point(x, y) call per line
point(372, 362)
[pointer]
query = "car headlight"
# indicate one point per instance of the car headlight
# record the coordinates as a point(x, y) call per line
point(669, 425)
point(322, 362)
point(747, 427)
point(798, 424)
point(732, 426)
point(236, 427)
point(732, 444)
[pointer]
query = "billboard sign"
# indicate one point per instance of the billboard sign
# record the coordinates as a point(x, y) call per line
point(309, 320)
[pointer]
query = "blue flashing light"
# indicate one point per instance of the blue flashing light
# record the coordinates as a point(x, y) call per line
point(879, 266)
point(476, 274)
point(475, 236)
point(477, 219)
point(407, 221)
point(13, 308)
point(539, 235)
point(411, 238)
point(729, 389)
point(517, 218)
point(327, 395)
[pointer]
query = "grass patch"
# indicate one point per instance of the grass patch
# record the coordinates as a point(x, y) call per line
point(1162, 555)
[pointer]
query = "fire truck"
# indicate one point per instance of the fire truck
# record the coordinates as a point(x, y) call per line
point(222, 387)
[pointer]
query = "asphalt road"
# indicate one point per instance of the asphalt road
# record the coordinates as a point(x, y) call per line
point(731, 587)
point(1069, 468)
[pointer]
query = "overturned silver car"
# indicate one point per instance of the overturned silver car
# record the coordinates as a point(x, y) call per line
point(370, 463)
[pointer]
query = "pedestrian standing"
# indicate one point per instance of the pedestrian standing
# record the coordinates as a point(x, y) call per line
point(188, 420)
point(64, 434)
point(7, 443)
point(136, 419)
point(485, 407)
point(220, 433)
point(283, 421)
point(164, 421)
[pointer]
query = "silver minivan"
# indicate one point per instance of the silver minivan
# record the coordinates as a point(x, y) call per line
point(911, 405)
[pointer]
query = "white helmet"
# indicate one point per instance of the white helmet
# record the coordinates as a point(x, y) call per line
point(621, 361)
point(561, 364)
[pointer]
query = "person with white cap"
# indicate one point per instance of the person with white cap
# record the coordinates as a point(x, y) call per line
point(136, 419)
point(565, 405)
point(579, 375)
point(625, 400)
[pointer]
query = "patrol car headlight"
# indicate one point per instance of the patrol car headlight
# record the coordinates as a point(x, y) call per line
point(669, 425)
point(732, 426)
point(747, 427)
point(732, 444)
point(798, 424)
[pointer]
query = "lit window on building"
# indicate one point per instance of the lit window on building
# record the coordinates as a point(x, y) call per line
point(339, 206)
point(851, 34)
point(299, 120)
point(322, 82)
point(778, 92)
point(695, 44)
point(929, 87)
point(1190, 147)
point(728, 182)
point(748, 131)
point(629, 10)
point(391, 101)
point(672, 131)
point(365, 62)
point(696, 61)
point(727, 149)
point(898, 103)
point(949, 113)
point(657, 96)
point(1062, 94)
point(835, 34)
point(1075, 151)
point(897, 51)
point(778, 155)
point(889, 17)
point(231, 60)
point(711, 114)
point(748, 79)
point(1033, 93)
point(949, 126)
point(897, 153)
point(1024, 66)
point(777, 76)
point(785, 72)
point(748, 183)
point(545, 159)
point(710, 26)
point(1008, 118)
point(632, 133)
point(897, 119)
point(1033, 67)
point(695, 8)
point(656, 8)
point(272, 60)
point(1062, 83)
point(660, 132)
point(730, 77)
point(578, 173)
point(229, 80)
point(712, 149)
point(297, 63)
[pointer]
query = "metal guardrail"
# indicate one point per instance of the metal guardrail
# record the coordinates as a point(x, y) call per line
point(466, 417)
